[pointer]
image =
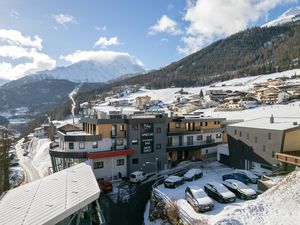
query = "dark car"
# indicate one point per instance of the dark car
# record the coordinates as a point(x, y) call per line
point(219, 192)
point(237, 176)
point(105, 185)
point(173, 181)
point(193, 174)
point(198, 199)
point(240, 189)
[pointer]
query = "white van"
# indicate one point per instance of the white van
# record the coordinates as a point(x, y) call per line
point(137, 177)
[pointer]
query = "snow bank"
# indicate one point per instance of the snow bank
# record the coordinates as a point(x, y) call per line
point(278, 205)
point(39, 154)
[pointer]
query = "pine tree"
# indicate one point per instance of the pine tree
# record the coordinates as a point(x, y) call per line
point(201, 94)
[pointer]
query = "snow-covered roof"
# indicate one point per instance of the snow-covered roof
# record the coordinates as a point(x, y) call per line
point(280, 123)
point(51, 199)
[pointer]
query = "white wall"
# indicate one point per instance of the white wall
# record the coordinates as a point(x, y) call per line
point(110, 167)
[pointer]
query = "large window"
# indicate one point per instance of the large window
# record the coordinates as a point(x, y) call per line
point(71, 145)
point(81, 145)
point(119, 142)
point(98, 165)
point(199, 137)
point(120, 162)
point(218, 135)
point(95, 144)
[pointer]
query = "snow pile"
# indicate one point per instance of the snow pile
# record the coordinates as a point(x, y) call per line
point(278, 205)
point(39, 154)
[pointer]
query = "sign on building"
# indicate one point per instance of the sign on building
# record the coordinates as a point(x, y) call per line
point(147, 137)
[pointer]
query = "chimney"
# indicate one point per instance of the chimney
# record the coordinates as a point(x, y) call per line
point(272, 119)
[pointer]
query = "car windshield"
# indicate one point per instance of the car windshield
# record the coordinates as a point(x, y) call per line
point(199, 193)
point(132, 176)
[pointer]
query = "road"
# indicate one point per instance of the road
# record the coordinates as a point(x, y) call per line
point(30, 171)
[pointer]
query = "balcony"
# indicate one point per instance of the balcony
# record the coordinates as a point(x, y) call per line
point(290, 159)
point(108, 154)
point(121, 134)
point(192, 145)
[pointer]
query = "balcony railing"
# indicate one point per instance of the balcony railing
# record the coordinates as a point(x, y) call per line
point(194, 143)
point(121, 134)
point(291, 159)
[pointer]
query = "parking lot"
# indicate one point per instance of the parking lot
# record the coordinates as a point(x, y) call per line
point(212, 173)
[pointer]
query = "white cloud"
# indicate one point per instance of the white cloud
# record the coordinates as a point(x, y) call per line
point(104, 42)
point(64, 19)
point(212, 19)
point(100, 56)
point(16, 38)
point(104, 28)
point(14, 14)
point(24, 48)
point(165, 24)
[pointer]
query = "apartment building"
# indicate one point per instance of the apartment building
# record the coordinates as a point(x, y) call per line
point(193, 137)
point(255, 143)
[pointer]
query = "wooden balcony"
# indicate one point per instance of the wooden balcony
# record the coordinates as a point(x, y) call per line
point(290, 159)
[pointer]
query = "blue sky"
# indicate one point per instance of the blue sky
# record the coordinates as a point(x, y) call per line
point(43, 34)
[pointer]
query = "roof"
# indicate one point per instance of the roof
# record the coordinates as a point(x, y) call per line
point(50, 199)
point(280, 123)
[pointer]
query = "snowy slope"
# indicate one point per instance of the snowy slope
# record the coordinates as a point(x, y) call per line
point(293, 14)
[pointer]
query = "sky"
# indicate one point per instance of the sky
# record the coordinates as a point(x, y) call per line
point(37, 35)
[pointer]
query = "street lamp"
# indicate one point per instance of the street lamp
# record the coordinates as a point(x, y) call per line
point(155, 163)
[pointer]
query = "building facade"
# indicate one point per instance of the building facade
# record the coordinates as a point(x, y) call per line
point(255, 143)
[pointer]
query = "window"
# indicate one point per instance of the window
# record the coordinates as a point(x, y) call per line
point(189, 140)
point(158, 130)
point(199, 137)
point(119, 142)
point(98, 165)
point(135, 161)
point(170, 141)
point(218, 135)
point(273, 154)
point(158, 146)
point(200, 124)
point(81, 145)
point(135, 127)
point(134, 142)
point(255, 139)
point(71, 145)
point(177, 125)
point(95, 144)
point(269, 136)
point(235, 132)
point(120, 162)
point(215, 122)
point(122, 127)
point(247, 135)
point(240, 133)
point(264, 148)
point(206, 151)
point(206, 124)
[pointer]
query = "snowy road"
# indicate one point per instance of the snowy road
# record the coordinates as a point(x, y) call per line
point(31, 173)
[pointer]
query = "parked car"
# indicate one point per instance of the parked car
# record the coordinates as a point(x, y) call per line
point(198, 199)
point(219, 192)
point(236, 176)
point(260, 173)
point(105, 185)
point(240, 189)
point(193, 174)
point(253, 178)
point(173, 181)
point(137, 177)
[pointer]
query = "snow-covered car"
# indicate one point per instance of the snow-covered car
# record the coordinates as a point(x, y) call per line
point(236, 176)
point(137, 177)
point(193, 174)
point(240, 189)
point(219, 192)
point(173, 181)
point(198, 199)
point(253, 178)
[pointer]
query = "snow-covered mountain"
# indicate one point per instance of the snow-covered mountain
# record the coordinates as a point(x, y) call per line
point(92, 71)
point(293, 14)
point(3, 81)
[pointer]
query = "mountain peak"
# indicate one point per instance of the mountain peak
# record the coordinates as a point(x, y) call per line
point(292, 14)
